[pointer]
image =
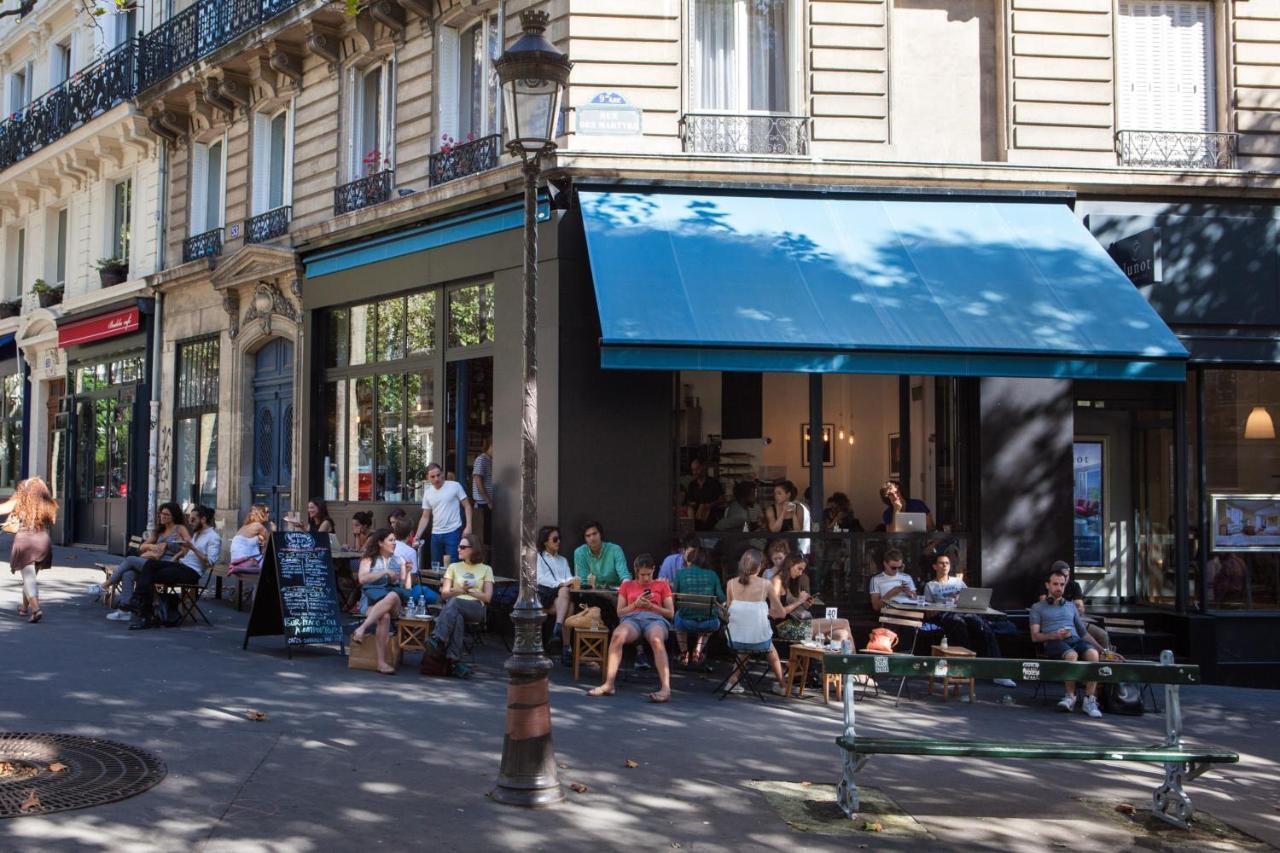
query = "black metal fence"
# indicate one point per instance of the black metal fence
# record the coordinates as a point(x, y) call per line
point(204, 245)
point(86, 95)
point(468, 158)
point(362, 192)
point(267, 226)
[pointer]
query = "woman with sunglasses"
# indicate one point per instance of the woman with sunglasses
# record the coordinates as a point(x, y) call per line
point(555, 579)
point(467, 588)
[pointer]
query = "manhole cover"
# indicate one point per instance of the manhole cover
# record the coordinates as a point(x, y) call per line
point(56, 772)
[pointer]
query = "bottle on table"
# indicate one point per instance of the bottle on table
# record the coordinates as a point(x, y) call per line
point(591, 581)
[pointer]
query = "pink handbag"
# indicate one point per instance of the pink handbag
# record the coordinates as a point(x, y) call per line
point(882, 640)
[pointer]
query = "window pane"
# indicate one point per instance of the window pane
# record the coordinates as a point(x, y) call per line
point(209, 459)
point(361, 439)
point(123, 212)
point(102, 418)
point(338, 350)
point(213, 192)
point(717, 84)
point(364, 334)
point(333, 402)
point(390, 344)
point(275, 190)
point(420, 391)
point(370, 141)
point(390, 442)
point(186, 450)
point(422, 322)
point(471, 315)
point(117, 487)
point(85, 450)
point(767, 55)
point(61, 260)
point(492, 93)
point(470, 77)
point(197, 374)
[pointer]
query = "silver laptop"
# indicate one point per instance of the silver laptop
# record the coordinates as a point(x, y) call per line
point(909, 522)
point(334, 545)
point(973, 599)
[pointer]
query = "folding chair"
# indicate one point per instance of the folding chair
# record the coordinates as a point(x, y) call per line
point(742, 669)
point(109, 597)
point(188, 599)
point(910, 619)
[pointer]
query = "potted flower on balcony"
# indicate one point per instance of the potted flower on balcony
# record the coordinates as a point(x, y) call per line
point(47, 293)
point(374, 162)
point(112, 270)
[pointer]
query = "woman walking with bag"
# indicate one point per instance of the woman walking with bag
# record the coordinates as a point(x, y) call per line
point(31, 512)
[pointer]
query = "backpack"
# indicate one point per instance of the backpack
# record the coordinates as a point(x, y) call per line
point(1122, 698)
point(434, 662)
point(168, 609)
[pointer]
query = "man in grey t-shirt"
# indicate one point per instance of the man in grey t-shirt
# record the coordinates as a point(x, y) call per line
point(1056, 623)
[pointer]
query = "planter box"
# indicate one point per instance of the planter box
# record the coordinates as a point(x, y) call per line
point(50, 298)
point(9, 309)
point(112, 277)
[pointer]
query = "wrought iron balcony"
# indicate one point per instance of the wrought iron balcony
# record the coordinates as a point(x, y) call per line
point(1175, 150)
point(205, 245)
point(268, 226)
point(198, 31)
point(362, 192)
point(88, 94)
point(714, 133)
point(468, 158)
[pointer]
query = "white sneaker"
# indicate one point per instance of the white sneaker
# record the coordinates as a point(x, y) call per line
point(778, 691)
point(1067, 703)
point(119, 615)
point(1091, 707)
point(737, 688)
point(1004, 682)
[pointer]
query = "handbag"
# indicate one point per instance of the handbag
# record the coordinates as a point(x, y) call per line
point(12, 524)
point(882, 640)
point(585, 619)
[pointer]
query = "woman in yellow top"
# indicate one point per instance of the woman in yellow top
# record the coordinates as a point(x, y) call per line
point(467, 588)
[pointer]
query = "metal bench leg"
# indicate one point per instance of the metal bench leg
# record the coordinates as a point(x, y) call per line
point(847, 791)
point(1169, 802)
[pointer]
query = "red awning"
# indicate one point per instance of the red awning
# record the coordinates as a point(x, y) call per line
point(99, 328)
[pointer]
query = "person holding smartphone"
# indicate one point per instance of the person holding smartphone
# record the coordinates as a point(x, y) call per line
point(645, 606)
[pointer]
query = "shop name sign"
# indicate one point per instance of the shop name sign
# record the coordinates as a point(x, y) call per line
point(609, 114)
point(1139, 256)
point(1087, 456)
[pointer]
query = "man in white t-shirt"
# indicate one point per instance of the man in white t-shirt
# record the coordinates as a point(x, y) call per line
point(444, 503)
point(892, 584)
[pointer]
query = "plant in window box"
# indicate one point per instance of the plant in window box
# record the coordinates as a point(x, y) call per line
point(112, 270)
point(47, 293)
point(374, 162)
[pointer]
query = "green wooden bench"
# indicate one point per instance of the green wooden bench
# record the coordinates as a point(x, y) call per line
point(1182, 763)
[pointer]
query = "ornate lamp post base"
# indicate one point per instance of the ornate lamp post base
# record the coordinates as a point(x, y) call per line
point(528, 776)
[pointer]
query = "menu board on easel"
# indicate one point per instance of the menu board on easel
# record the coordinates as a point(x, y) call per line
point(296, 596)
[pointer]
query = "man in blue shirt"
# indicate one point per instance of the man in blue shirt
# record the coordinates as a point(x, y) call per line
point(1056, 623)
point(896, 501)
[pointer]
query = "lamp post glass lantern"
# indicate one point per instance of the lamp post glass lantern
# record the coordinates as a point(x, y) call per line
point(533, 76)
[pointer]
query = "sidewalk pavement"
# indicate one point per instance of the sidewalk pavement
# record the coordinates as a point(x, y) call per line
point(350, 760)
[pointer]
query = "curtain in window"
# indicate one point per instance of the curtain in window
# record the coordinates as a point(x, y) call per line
point(371, 152)
point(213, 187)
point(715, 85)
point(767, 55)
point(275, 192)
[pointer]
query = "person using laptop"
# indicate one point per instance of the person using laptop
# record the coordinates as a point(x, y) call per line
point(969, 630)
point(892, 585)
point(896, 501)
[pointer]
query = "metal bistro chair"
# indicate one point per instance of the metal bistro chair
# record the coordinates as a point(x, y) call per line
point(741, 673)
point(704, 607)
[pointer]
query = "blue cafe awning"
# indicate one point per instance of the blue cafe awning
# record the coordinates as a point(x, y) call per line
point(897, 285)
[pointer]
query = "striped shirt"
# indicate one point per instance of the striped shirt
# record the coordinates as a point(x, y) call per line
point(484, 470)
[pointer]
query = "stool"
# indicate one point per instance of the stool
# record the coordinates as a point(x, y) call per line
point(590, 646)
point(412, 633)
point(798, 670)
point(951, 680)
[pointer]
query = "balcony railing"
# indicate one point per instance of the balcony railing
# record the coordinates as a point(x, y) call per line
point(267, 226)
point(469, 158)
point(205, 245)
point(198, 31)
point(709, 133)
point(1175, 150)
point(88, 94)
point(363, 192)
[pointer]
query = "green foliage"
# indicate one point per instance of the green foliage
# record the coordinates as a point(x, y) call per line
point(353, 8)
point(112, 264)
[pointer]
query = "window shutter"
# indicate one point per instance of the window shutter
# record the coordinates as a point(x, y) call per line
point(1166, 71)
point(388, 113)
point(288, 154)
point(447, 87)
point(1193, 88)
point(199, 189)
point(261, 162)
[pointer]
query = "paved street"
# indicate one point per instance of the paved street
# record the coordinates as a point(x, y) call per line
point(355, 761)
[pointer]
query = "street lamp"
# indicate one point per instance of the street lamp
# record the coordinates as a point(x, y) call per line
point(533, 75)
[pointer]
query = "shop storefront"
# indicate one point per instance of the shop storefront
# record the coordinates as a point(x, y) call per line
point(101, 434)
point(13, 409)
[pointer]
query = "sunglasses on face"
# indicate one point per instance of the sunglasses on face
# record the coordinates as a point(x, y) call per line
point(554, 539)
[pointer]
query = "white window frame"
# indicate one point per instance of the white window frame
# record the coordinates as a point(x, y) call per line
point(20, 88)
point(20, 258)
point(1164, 111)
point(52, 255)
point(386, 134)
point(449, 76)
point(797, 54)
point(200, 186)
point(262, 120)
point(113, 224)
point(62, 55)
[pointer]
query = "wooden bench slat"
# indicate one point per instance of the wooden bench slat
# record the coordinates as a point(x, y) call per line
point(1139, 672)
point(1157, 753)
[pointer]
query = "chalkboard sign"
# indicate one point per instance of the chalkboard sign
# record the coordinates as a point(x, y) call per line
point(296, 596)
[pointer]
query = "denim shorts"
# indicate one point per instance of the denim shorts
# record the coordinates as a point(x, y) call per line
point(708, 625)
point(752, 647)
point(1056, 649)
point(642, 621)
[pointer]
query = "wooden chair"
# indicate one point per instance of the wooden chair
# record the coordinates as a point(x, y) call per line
point(912, 620)
point(188, 598)
point(110, 597)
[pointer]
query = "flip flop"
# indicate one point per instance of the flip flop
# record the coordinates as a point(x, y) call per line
point(594, 695)
point(386, 672)
point(357, 638)
point(36, 617)
point(653, 697)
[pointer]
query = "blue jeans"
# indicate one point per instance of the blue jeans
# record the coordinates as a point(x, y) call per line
point(697, 626)
point(445, 543)
point(422, 592)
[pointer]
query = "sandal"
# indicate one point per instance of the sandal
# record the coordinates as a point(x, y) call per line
point(658, 699)
point(36, 616)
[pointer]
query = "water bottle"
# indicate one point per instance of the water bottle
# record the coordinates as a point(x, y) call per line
point(944, 642)
point(846, 646)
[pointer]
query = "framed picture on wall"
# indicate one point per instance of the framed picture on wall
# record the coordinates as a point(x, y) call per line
point(1088, 499)
point(828, 445)
point(1245, 522)
point(895, 456)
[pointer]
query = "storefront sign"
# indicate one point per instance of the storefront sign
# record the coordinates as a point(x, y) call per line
point(122, 322)
point(1088, 509)
point(609, 114)
point(1139, 256)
